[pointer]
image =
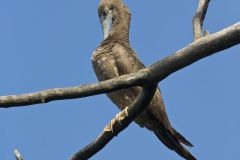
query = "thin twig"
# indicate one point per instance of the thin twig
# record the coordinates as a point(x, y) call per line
point(18, 155)
point(199, 18)
point(195, 51)
point(118, 124)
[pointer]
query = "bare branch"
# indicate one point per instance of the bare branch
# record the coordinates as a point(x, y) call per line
point(18, 155)
point(49, 95)
point(199, 18)
point(195, 51)
point(118, 124)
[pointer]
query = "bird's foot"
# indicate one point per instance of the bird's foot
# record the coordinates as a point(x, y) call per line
point(118, 119)
point(125, 111)
point(110, 126)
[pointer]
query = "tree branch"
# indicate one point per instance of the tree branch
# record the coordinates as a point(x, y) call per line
point(49, 95)
point(18, 155)
point(199, 18)
point(195, 51)
point(118, 124)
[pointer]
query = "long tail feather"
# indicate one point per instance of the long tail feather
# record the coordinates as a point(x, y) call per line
point(182, 139)
point(172, 142)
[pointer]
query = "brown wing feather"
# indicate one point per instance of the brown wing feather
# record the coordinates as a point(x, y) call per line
point(127, 62)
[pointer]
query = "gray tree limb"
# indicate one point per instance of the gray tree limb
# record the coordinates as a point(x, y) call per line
point(119, 123)
point(199, 18)
point(195, 51)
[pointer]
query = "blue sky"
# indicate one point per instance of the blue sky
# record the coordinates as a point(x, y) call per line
point(48, 44)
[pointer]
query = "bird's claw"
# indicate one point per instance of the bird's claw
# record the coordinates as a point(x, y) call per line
point(119, 117)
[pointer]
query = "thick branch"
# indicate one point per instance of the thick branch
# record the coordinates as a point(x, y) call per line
point(197, 50)
point(118, 124)
point(199, 18)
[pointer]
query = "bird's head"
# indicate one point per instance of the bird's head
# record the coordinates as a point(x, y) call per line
point(114, 17)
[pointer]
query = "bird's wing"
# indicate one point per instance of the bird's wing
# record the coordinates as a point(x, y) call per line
point(127, 62)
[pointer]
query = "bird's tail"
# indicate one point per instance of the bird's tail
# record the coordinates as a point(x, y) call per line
point(182, 139)
point(172, 141)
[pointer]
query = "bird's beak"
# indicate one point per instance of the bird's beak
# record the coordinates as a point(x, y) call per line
point(106, 21)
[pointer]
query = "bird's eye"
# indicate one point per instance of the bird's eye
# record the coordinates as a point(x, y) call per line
point(104, 13)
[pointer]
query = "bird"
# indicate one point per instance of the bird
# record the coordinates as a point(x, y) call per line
point(115, 57)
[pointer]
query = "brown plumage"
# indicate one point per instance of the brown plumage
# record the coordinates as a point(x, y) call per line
point(114, 57)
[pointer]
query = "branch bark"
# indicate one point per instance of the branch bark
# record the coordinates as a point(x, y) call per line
point(195, 51)
point(199, 18)
point(119, 123)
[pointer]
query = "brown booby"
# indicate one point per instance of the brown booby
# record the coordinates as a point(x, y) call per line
point(114, 57)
